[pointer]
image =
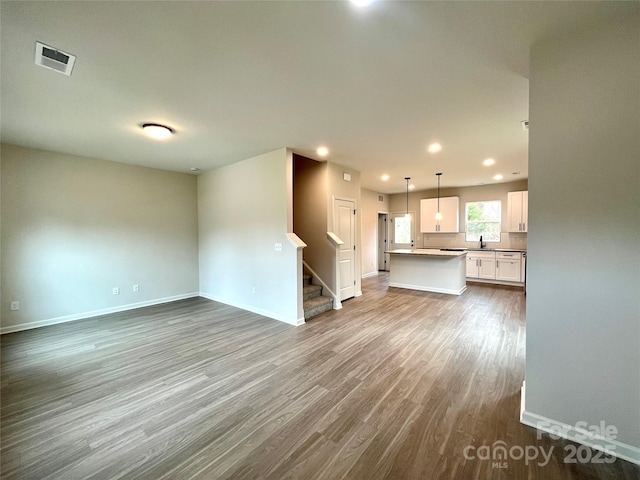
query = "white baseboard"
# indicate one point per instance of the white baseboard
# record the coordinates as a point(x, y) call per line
point(370, 274)
point(94, 313)
point(621, 450)
point(428, 289)
point(250, 308)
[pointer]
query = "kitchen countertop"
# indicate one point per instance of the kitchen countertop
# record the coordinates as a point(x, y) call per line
point(467, 249)
point(430, 252)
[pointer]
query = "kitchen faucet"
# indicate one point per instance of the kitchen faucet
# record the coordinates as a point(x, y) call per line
point(482, 244)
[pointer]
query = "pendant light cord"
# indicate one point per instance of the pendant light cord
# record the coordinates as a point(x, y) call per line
point(407, 179)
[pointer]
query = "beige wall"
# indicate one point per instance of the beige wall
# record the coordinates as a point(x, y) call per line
point(73, 228)
point(243, 210)
point(310, 216)
point(371, 205)
point(583, 313)
point(338, 188)
point(497, 191)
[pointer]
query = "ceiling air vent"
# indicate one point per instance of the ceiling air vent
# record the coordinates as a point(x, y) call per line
point(54, 59)
point(525, 124)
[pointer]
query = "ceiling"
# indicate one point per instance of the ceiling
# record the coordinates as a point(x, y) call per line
point(236, 79)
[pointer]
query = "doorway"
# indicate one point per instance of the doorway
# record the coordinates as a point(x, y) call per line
point(383, 234)
point(344, 221)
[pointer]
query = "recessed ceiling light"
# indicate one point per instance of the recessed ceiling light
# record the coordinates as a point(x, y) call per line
point(488, 162)
point(361, 3)
point(385, 177)
point(435, 147)
point(412, 186)
point(497, 177)
point(194, 169)
point(322, 151)
point(157, 131)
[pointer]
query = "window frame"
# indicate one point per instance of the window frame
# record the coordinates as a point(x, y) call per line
point(486, 222)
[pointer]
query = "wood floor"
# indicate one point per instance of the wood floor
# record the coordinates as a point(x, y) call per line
point(395, 385)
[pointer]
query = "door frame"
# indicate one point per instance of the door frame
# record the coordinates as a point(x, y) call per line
point(385, 230)
point(356, 242)
point(392, 233)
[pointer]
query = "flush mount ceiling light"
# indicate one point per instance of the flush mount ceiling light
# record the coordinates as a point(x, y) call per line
point(488, 162)
point(498, 177)
point(385, 177)
point(322, 151)
point(412, 186)
point(434, 148)
point(361, 3)
point(194, 169)
point(157, 131)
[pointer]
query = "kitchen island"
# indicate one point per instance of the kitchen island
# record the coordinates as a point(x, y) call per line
point(429, 270)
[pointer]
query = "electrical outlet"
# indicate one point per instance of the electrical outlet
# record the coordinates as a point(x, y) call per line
point(277, 247)
point(15, 305)
point(136, 288)
point(116, 290)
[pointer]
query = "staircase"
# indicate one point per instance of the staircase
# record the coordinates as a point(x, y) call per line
point(313, 301)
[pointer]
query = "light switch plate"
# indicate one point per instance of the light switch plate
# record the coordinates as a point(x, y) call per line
point(277, 247)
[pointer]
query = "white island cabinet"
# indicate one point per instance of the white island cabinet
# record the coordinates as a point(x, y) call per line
point(429, 270)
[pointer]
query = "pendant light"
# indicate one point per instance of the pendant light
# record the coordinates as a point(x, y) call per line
point(438, 213)
point(407, 179)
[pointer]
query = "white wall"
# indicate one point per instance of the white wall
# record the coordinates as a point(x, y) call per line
point(73, 228)
point(243, 209)
point(583, 312)
point(371, 205)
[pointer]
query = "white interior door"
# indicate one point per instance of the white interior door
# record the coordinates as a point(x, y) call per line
point(345, 227)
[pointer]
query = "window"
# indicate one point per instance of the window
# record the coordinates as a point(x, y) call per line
point(402, 229)
point(483, 218)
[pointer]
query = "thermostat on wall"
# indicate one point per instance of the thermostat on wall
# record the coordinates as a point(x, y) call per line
point(346, 177)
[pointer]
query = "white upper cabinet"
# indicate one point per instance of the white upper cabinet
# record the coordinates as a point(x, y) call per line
point(450, 209)
point(518, 211)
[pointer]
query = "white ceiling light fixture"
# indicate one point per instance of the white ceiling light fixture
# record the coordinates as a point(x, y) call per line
point(322, 151)
point(157, 131)
point(362, 3)
point(435, 148)
point(54, 59)
point(411, 186)
point(384, 177)
point(498, 176)
point(488, 162)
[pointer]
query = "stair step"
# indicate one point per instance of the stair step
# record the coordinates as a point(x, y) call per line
point(306, 279)
point(317, 305)
point(311, 291)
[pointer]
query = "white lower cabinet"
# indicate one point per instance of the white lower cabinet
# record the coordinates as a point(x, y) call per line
point(509, 266)
point(499, 266)
point(481, 265)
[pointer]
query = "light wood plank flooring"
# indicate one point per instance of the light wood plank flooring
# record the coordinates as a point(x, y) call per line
point(394, 385)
